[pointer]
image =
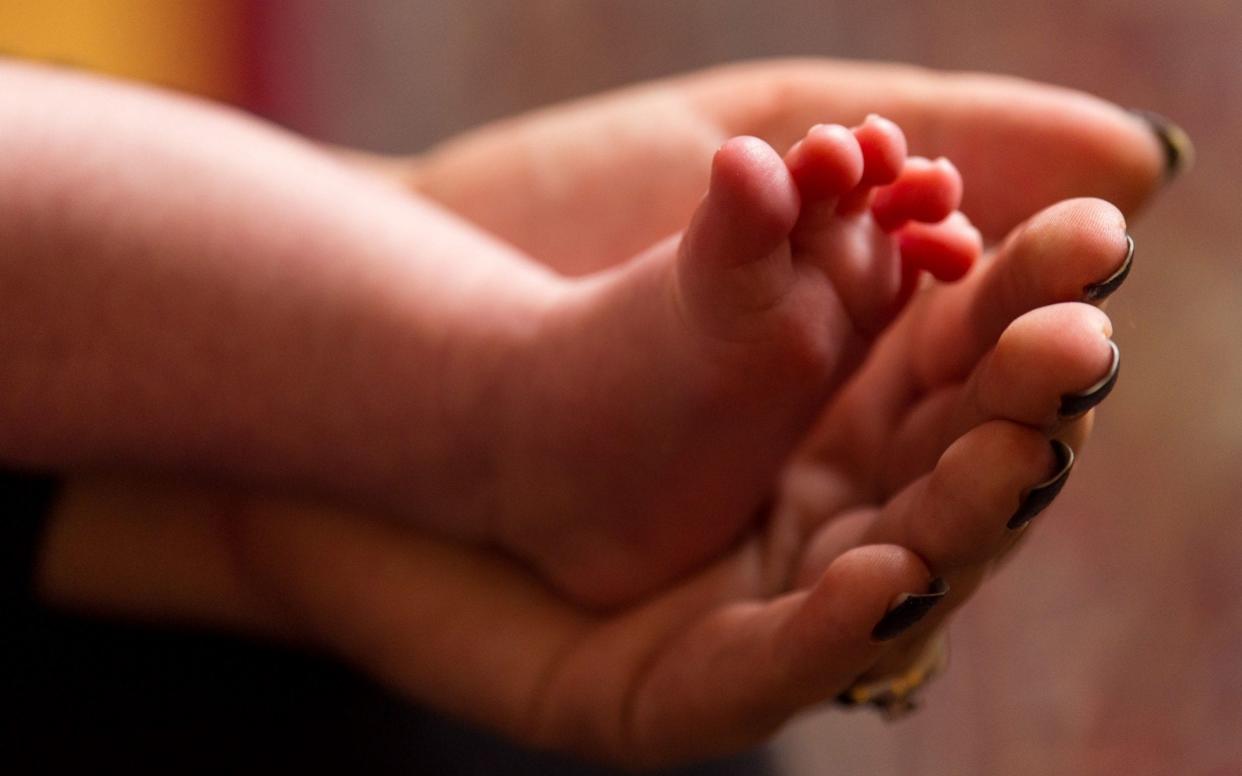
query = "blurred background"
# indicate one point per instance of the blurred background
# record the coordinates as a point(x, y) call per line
point(1113, 643)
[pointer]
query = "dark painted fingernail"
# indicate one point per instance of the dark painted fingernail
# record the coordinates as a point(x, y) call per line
point(1075, 404)
point(1179, 151)
point(908, 610)
point(1037, 498)
point(1102, 290)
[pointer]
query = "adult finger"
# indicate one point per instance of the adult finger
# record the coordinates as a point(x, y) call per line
point(704, 669)
point(987, 484)
point(960, 519)
point(1065, 253)
point(1020, 145)
point(734, 677)
point(1051, 365)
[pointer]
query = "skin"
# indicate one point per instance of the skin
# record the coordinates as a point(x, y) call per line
point(693, 671)
point(763, 307)
point(198, 258)
point(721, 660)
point(586, 162)
point(339, 339)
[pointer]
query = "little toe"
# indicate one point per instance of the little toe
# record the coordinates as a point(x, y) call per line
point(925, 191)
point(947, 249)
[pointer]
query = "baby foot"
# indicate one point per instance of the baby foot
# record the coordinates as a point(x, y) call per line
point(662, 398)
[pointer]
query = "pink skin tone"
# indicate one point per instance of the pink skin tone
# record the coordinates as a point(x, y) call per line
point(764, 306)
point(236, 306)
point(875, 502)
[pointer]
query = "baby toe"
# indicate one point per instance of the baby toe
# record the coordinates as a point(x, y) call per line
point(827, 163)
point(883, 147)
point(926, 191)
point(947, 249)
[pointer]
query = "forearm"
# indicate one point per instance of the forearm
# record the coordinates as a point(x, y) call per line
point(184, 289)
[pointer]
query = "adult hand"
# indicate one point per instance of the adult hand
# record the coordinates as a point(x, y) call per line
point(602, 177)
point(920, 465)
point(584, 185)
point(927, 465)
point(587, 184)
point(919, 469)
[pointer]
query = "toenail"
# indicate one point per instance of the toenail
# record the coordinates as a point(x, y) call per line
point(1102, 290)
point(1037, 498)
point(1179, 151)
point(1075, 404)
point(908, 610)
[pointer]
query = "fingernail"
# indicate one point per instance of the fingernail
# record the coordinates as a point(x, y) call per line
point(1037, 498)
point(1075, 404)
point(1179, 151)
point(1102, 290)
point(909, 609)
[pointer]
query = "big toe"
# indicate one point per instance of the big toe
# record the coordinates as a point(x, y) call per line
point(751, 205)
point(735, 253)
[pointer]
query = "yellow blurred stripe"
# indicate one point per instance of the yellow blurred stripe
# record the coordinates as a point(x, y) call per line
point(195, 45)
